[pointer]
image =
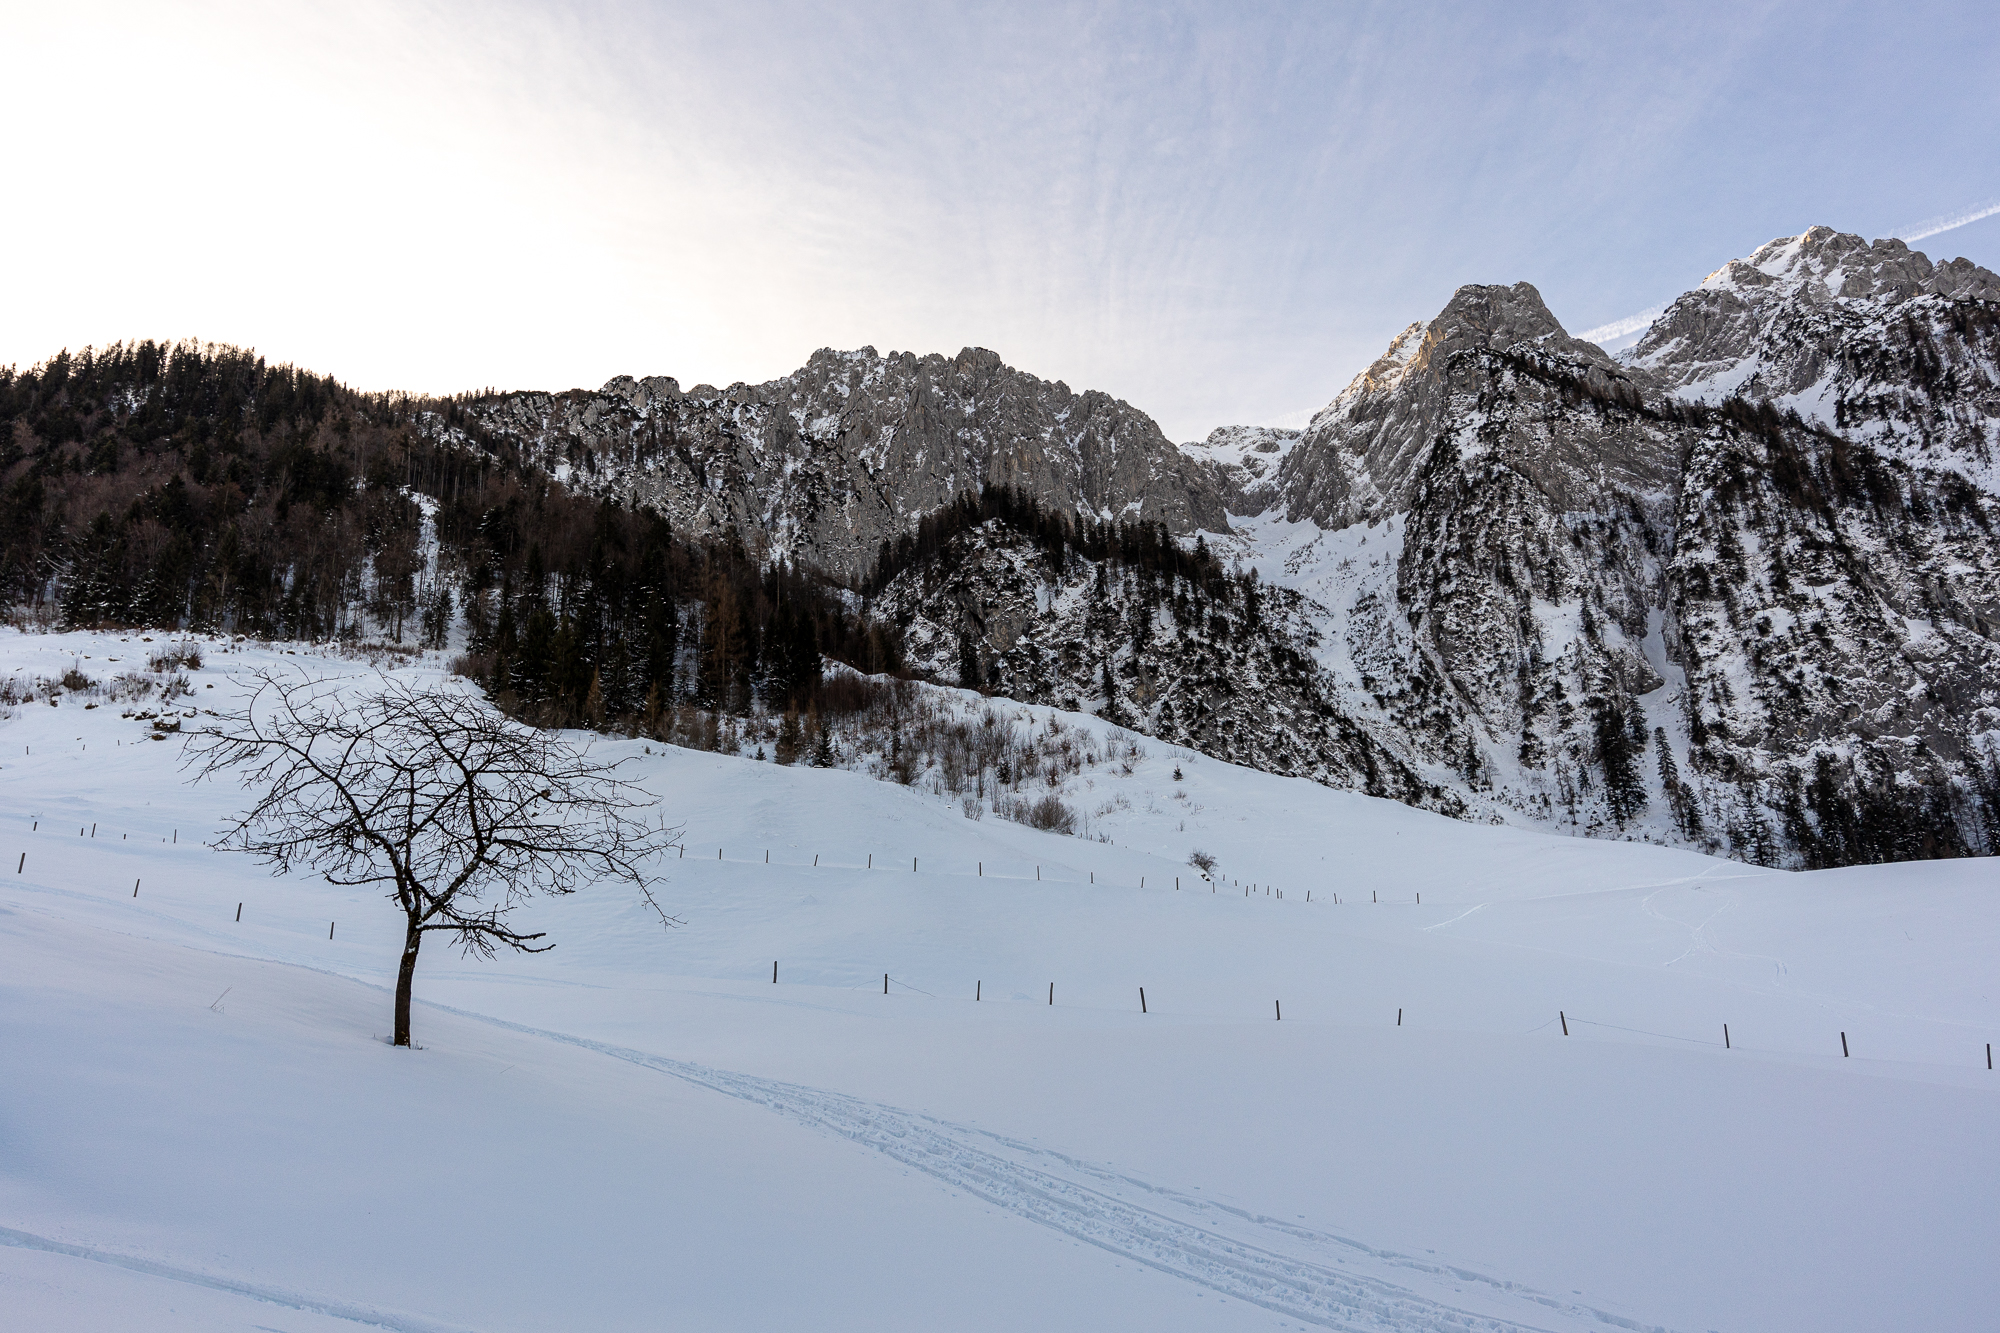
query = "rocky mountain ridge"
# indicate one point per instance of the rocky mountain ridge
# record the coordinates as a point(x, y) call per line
point(1738, 587)
point(1601, 562)
point(823, 465)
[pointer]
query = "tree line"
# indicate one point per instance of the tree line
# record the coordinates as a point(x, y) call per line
point(1140, 545)
point(199, 486)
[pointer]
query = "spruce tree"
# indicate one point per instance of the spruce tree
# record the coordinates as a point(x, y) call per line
point(787, 749)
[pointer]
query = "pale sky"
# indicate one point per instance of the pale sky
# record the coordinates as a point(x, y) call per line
point(1218, 212)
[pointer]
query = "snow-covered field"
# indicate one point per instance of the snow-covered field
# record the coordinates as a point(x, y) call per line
point(202, 1128)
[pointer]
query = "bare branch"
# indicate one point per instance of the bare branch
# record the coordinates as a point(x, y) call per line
point(462, 812)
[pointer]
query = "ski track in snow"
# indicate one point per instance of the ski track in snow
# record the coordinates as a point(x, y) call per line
point(347, 1310)
point(1311, 1275)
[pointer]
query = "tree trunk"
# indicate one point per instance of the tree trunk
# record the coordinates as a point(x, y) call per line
point(405, 974)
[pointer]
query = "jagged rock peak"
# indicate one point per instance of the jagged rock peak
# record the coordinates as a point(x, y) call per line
point(1872, 340)
point(1476, 316)
point(1362, 452)
point(1822, 264)
point(1712, 329)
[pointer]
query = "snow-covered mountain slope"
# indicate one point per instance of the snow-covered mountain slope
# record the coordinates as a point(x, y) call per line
point(1233, 672)
point(1598, 614)
point(640, 1128)
point(1870, 339)
point(1736, 588)
point(825, 464)
point(1246, 459)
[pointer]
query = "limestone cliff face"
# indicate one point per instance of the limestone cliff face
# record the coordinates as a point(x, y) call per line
point(1871, 340)
point(1362, 456)
point(825, 464)
point(1738, 590)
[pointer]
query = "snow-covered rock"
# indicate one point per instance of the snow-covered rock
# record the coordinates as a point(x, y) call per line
point(1247, 460)
point(827, 463)
point(1869, 339)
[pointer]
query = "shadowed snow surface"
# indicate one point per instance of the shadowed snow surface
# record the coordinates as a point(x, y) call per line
point(204, 1129)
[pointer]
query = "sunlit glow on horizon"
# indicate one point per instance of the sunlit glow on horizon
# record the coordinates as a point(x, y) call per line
point(1215, 217)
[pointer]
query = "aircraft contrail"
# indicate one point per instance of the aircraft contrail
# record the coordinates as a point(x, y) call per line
point(1916, 231)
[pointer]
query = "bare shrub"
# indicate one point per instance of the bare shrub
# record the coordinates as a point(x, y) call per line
point(128, 686)
point(1047, 813)
point(175, 658)
point(1202, 861)
point(473, 666)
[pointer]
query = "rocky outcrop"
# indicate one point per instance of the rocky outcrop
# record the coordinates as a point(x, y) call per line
point(1869, 339)
point(825, 464)
point(1362, 456)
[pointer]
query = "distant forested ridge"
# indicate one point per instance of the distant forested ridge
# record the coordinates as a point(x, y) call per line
point(198, 486)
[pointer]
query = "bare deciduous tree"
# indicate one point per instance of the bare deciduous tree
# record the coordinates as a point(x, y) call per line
point(463, 813)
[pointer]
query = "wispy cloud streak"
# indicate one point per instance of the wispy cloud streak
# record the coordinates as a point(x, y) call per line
point(1618, 328)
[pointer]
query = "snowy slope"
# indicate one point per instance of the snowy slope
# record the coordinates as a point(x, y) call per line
point(640, 1130)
